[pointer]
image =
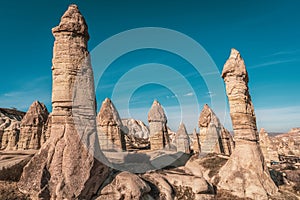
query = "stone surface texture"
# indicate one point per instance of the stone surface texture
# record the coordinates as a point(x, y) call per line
point(182, 140)
point(214, 138)
point(245, 174)
point(32, 126)
point(137, 134)
point(65, 166)
point(125, 186)
point(10, 121)
point(268, 147)
point(196, 145)
point(110, 127)
point(159, 137)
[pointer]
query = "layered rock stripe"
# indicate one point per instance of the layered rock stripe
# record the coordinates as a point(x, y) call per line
point(110, 127)
point(65, 167)
point(159, 138)
point(245, 174)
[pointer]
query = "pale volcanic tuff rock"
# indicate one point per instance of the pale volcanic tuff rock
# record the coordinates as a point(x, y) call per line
point(137, 135)
point(10, 120)
point(182, 140)
point(65, 166)
point(288, 143)
point(214, 138)
point(245, 174)
point(159, 138)
point(268, 147)
point(32, 126)
point(196, 146)
point(110, 127)
point(125, 186)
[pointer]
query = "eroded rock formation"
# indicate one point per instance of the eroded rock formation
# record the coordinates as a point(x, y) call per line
point(159, 138)
point(110, 127)
point(267, 146)
point(10, 120)
point(196, 142)
point(245, 174)
point(125, 186)
point(65, 166)
point(137, 135)
point(214, 138)
point(182, 140)
point(32, 126)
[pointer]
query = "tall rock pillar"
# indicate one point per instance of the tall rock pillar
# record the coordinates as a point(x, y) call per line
point(110, 127)
point(159, 138)
point(182, 140)
point(245, 174)
point(65, 166)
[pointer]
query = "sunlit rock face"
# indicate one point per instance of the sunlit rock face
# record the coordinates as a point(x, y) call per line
point(32, 126)
point(65, 166)
point(214, 138)
point(137, 134)
point(182, 140)
point(196, 145)
point(245, 174)
point(10, 121)
point(268, 147)
point(110, 127)
point(159, 138)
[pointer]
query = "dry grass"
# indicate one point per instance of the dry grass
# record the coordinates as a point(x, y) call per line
point(213, 163)
point(9, 191)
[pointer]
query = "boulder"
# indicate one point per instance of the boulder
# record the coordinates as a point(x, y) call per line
point(125, 186)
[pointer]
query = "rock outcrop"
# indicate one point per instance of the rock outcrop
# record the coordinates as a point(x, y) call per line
point(287, 143)
point(137, 136)
point(110, 127)
point(32, 126)
point(196, 142)
point(245, 174)
point(65, 166)
point(182, 140)
point(10, 120)
point(214, 138)
point(269, 149)
point(159, 138)
point(125, 186)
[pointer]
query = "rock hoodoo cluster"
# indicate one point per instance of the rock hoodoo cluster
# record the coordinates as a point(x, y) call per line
point(159, 138)
point(245, 174)
point(65, 166)
point(214, 138)
point(32, 126)
point(137, 136)
point(182, 140)
point(110, 127)
point(73, 140)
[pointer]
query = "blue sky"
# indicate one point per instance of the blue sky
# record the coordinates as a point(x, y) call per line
point(265, 32)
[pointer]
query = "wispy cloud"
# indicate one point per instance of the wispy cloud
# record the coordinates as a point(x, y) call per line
point(283, 53)
point(270, 63)
point(21, 98)
point(278, 119)
point(189, 94)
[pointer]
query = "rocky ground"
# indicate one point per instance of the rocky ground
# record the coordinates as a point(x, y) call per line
point(176, 181)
